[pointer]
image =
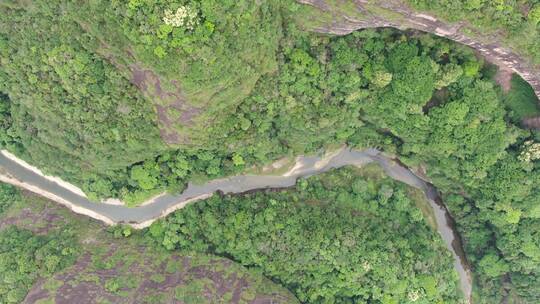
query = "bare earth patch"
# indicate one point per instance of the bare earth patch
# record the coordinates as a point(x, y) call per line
point(180, 279)
point(172, 110)
point(504, 79)
point(131, 270)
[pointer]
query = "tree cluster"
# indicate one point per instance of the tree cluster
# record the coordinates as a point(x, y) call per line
point(336, 238)
point(267, 89)
point(25, 256)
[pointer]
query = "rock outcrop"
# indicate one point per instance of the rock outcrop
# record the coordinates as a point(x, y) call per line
point(394, 13)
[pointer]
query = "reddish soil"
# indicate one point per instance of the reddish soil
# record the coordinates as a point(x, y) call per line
point(151, 85)
point(504, 79)
point(493, 50)
point(218, 282)
point(39, 223)
point(531, 123)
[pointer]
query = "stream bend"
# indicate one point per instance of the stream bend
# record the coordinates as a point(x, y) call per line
point(139, 217)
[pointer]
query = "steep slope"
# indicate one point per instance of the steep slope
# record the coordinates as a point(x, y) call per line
point(99, 264)
point(342, 17)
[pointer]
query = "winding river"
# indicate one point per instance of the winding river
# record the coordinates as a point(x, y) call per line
point(139, 217)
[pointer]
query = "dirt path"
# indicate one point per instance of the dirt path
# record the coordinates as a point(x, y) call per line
point(394, 13)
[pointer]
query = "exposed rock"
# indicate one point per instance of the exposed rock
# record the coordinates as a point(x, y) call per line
point(172, 109)
point(531, 123)
point(406, 18)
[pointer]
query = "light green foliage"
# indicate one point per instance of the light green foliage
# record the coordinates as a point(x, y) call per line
point(493, 266)
point(530, 151)
point(471, 68)
point(381, 79)
point(183, 16)
point(112, 285)
point(145, 176)
point(514, 22)
point(534, 14)
point(238, 160)
point(8, 195)
point(25, 256)
point(447, 75)
point(323, 240)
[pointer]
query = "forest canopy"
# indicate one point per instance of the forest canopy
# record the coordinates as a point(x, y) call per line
point(516, 22)
point(49, 254)
point(347, 236)
point(132, 98)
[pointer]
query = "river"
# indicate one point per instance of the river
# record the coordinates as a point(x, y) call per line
point(143, 216)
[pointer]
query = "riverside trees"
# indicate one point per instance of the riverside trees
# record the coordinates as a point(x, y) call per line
point(26, 256)
point(73, 106)
point(336, 238)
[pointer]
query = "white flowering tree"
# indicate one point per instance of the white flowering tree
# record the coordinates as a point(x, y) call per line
point(530, 151)
point(184, 16)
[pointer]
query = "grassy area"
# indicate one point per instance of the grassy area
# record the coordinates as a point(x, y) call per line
point(311, 17)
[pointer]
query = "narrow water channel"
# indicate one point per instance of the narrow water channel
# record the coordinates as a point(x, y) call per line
point(144, 215)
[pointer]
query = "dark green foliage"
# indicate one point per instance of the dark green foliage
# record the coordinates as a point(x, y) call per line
point(336, 238)
point(6, 133)
point(521, 101)
point(8, 195)
point(515, 22)
point(264, 90)
point(25, 256)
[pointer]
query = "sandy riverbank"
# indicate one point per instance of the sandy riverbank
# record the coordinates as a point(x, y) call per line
point(54, 179)
point(4, 177)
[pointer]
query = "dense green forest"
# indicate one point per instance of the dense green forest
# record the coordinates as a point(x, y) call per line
point(341, 237)
point(131, 98)
point(26, 256)
point(50, 255)
point(517, 22)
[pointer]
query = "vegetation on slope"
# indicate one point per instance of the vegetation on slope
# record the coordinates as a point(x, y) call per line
point(347, 236)
point(206, 55)
point(517, 22)
point(69, 108)
point(26, 256)
point(50, 255)
point(8, 194)
point(521, 101)
point(287, 92)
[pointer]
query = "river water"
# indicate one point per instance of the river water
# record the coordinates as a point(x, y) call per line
point(143, 216)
